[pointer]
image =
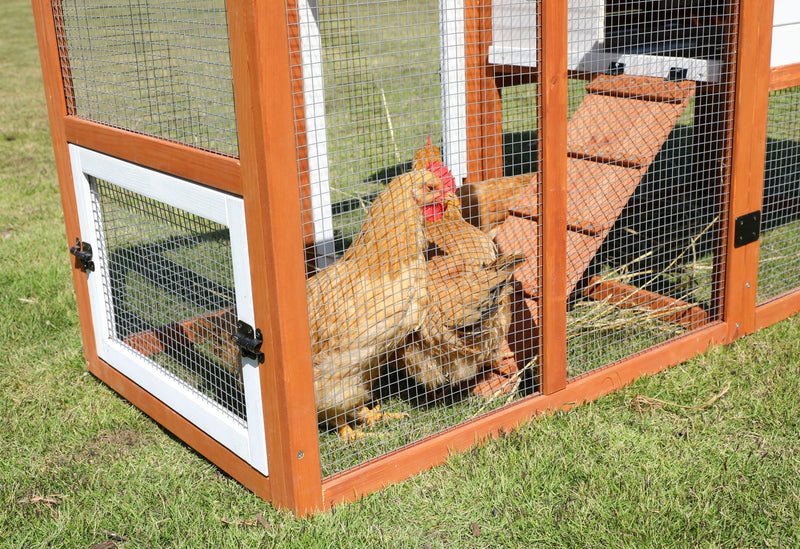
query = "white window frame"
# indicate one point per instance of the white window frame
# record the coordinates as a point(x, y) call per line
point(245, 439)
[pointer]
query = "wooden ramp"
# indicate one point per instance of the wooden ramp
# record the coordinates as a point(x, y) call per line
point(613, 138)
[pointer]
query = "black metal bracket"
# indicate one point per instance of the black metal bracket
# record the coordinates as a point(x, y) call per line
point(83, 253)
point(748, 229)
point(676, 74)
point(615, 68)
point(249, 341)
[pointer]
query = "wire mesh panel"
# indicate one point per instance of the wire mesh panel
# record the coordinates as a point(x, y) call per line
point(412, 325)
point(170, 283)
point(160, 68)
point(169, 290)
point(645, 179)
point(779, 253)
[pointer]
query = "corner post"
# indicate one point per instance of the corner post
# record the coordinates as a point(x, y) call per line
point(751, 103)
point(263, 92)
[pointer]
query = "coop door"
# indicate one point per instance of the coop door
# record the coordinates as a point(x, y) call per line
point(170, 284)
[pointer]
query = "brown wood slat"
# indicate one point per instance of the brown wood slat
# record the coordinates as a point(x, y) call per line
point(597, 193)
point(622, 131)
point(642, 87)
point(785, 76)
point(664, 308)
point(520, 234)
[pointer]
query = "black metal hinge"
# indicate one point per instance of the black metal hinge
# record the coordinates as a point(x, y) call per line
point(249, 341)
point(748, 229)
point(83, 253)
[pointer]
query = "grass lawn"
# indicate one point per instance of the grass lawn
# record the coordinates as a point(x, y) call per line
point(661, 463)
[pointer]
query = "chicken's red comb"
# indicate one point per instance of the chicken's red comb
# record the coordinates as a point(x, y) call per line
point(443, 172)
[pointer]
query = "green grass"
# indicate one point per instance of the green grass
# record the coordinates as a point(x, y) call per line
point(607, 474)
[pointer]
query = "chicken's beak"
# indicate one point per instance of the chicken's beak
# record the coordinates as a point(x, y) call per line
point(430, 192)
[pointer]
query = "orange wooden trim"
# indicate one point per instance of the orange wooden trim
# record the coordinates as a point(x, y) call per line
point(260, 59)
point(493, 152)
point(667, 309)
point(786, 76)
point(473, 13)
point(56, 110)
point(553, 176)
point(300, 133)
point(433, 451)
point(208, 168)
point(635, 163)
point(485, 158)
point(645, 89)
point(183, 429)
point(751, 103)
point(778, 309)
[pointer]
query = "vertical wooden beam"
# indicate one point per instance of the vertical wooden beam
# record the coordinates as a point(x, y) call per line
point(263, 91)
point(751, 102)
point(552, 66)
point(484, 105)
point(57, 108)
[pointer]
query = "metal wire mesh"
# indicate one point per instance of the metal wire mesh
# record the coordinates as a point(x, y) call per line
point(649, 101)
point(169, 287)
point(160, 68)
point(410, 325)
point(779, 253)
point(646, 187)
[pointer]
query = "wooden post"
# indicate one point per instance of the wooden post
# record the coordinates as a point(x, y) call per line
point(484, 106)
point(58, 101)
point(552, 65)
point(263, 91)
point(751, 103)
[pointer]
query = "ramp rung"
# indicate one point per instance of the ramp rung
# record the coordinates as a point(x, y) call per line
point(642, 87)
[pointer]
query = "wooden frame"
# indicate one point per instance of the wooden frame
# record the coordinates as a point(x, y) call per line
point(787, 304)
point(267, 177)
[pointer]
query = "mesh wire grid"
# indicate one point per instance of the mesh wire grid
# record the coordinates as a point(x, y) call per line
point(376, 342)
point(645, 206)
point(779, 253)
point(160, 68)
point(170, 292)
point(655, 164)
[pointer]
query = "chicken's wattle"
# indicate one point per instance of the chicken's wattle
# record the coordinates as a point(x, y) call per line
point(436, 210)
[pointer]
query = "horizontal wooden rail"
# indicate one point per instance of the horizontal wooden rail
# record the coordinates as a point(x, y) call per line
point(215, 170)
point(783, 77)
point(780, 308)
point(433, 451)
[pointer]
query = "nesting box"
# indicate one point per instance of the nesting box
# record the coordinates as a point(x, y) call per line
point(328, 243)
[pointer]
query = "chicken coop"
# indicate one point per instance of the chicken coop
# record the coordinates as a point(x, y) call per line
point(327, 243)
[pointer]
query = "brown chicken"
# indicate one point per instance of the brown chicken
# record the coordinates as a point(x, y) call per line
point(467, 321)
point(469, 312)
point(366, 303)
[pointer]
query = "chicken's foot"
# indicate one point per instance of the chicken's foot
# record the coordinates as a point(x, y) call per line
point(370, 416)
point(348, 434)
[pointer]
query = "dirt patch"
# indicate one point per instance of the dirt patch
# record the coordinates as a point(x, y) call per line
point(108, 444)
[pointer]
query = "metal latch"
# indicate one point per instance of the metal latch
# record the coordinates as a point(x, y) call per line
point(748, 229)
point(83, 253)
point(249, 341)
